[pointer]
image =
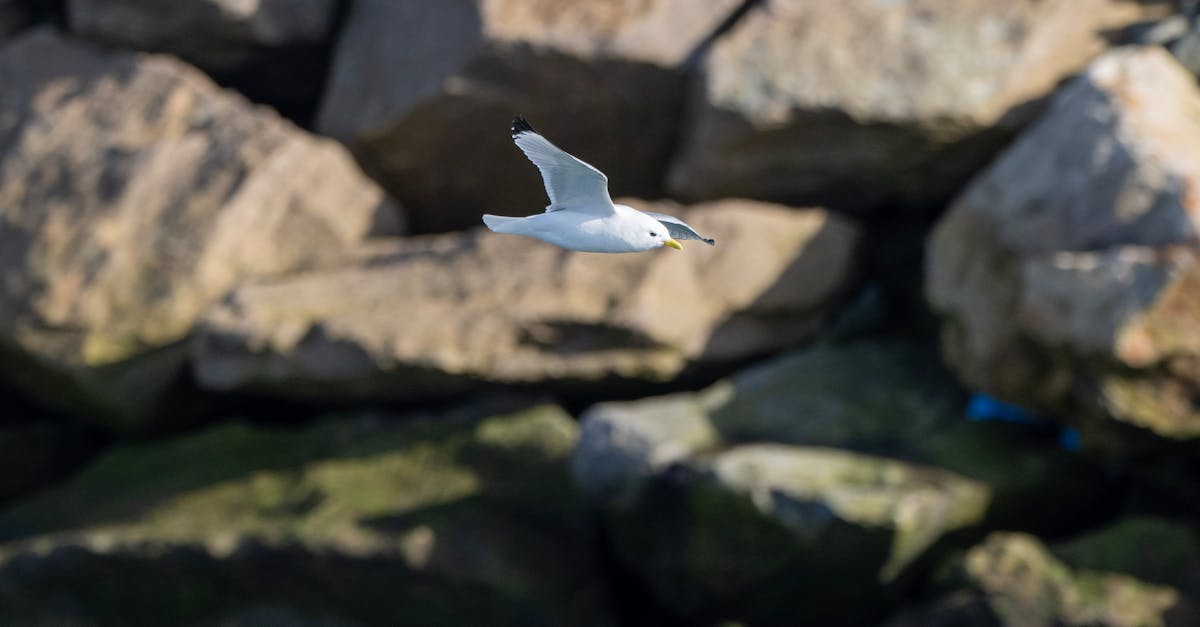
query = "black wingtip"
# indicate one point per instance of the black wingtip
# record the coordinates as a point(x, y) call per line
point(521, 125)
point(710, 242)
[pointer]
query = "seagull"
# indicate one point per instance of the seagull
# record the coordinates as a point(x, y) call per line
point(581, 215)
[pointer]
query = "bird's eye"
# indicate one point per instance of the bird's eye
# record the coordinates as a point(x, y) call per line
point(653, 234)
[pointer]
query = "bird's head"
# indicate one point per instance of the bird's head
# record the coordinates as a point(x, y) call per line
point(651, 234)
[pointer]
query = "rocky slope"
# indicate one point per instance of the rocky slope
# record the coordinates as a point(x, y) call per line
point(236, 389)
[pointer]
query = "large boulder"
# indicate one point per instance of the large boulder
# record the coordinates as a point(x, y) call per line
point(447, 520)
point(887, 397)
point(133, 194)
point(777, 534)
point(273, 51)
point(1066, 274)
point(742, 499)
point(439, 315)
point(424, 92)
point(1013, 580)
point(862, 103)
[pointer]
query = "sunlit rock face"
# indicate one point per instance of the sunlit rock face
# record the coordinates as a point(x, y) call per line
point(869, 105)
point(1066, 275)
point(133, 194)
point(442, 315)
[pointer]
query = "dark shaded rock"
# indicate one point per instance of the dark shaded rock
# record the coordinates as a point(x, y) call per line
point(1013, 580)
point(445, 521)
point(38, 447)
point(891, 398)
point(768, 530)
point(273, 51)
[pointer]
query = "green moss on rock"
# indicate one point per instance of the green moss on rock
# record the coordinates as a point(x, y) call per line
point(458, 521)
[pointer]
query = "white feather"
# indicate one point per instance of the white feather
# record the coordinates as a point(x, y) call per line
point(570, 182)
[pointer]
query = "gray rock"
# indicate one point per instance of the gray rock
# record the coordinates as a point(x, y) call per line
point(424, 92)
point(1187, 47)
point(271, 50)
point(133, 194)
point(861, 103)
point(442, 315)
point(1066, 273)
point(620, 450)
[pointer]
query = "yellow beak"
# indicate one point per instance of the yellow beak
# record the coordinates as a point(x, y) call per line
point(673, 244)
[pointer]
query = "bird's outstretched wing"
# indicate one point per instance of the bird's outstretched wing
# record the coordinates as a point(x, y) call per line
point(679, 229)
point(570, 183)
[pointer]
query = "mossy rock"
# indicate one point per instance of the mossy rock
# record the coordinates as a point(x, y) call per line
point(427, 521)
point(776, 534)
point(1014, 580)
point(889, 397)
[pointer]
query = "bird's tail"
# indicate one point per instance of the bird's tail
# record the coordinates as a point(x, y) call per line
point(503, 224)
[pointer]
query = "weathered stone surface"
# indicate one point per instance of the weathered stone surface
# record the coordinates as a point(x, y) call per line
point(1023, 584)
point(1151, 549)
point(424, 92)
point(134, 193)
point(273, 51)
point(862, 103)
point(441, 315)
point(754, 531)
point(889, 397)
point(450, 520)
point(776, 534)
point(1067, 274)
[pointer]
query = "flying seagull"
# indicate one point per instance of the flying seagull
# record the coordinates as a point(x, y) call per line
point(581, 215)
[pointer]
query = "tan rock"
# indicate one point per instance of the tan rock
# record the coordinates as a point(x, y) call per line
point(1067, 272)
point(133, 194)
point(440, 314)
point(424, 92)
point(862, 103)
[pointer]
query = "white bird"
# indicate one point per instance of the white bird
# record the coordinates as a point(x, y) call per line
point(581, 215)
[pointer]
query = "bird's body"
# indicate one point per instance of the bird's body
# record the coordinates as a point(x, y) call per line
point(581, 215)
point(620, 231)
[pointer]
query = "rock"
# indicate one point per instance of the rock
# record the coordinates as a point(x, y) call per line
point(888, 397)
point(134, 193)
point(274, 52)
point(441, 315)
point(447, 520)
point(893, 103)
point(424, 93)
point(1187, 48)
point(774, 534)
point(1021, 583)
point(1151, 549)
point(1066, 273)
point(727, 501)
